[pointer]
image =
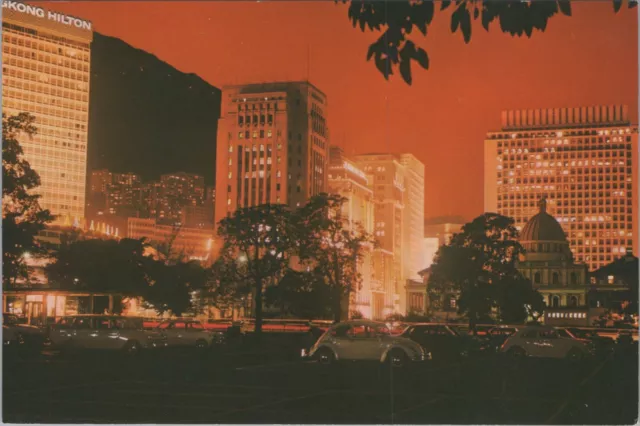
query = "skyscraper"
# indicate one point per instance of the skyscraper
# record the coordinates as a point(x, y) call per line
point(46, 64)
point(413, 220)
point(584, 160)
point(272, 145)
point(389, 204)
point(349, 181)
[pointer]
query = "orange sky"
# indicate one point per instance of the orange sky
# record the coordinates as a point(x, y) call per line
point(589, 58)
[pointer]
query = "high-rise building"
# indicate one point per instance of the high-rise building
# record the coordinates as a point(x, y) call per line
point(45, 72)
point(413, 221)
point(272, 145)
point(348, 180)
point(584, 160)
point(177, 191)
point(437, 232)
point(389, 202)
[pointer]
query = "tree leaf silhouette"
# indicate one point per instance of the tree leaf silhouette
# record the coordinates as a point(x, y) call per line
point(398, 17)
point(565, 7)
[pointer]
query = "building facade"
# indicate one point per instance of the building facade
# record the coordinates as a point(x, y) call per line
point(272, 146)
point(389, 196)
point(584, 160)
point(413, 220)
point(346, 179)
point(437, 232)
point(549, 263)
point(46, 73)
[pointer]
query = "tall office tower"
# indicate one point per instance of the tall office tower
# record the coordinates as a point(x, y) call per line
point(584, 160)
point(45, 72)
point(346, 179)
point(389, 203)
point(413, 221)
point(272, 145)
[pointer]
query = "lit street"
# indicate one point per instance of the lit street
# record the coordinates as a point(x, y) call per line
point(239, 386)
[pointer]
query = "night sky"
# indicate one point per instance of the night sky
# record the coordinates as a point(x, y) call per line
point(587, 59)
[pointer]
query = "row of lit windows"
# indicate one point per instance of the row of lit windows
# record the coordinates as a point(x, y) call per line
point(40, 113)
point(51, 106)
point(562, 133)
point(47, 64)
point(559, 196)
point(51, 86)
point(42, 34)
point(31, 93)
point(43, 73)
point(566, 145)
point(19, 97)
point(28, 48)
point(570, 315)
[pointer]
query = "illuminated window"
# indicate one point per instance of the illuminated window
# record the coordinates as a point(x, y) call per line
point(610, 279)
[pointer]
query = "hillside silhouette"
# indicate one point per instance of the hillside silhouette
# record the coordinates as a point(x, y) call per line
point(147, 117)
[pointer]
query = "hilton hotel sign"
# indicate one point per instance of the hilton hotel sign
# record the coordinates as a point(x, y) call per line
point(41, 13)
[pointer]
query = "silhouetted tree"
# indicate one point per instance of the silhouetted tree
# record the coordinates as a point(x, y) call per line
point(397, 19)
point(22, 216)
point(171, 287)
point(480, 262)
point(260, 239)
point(331, 247)
point(301, 295)
point(112, 266)
point(101, 266)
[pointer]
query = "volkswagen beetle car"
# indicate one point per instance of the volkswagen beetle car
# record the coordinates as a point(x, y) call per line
point(546, 342)
point(364, 340)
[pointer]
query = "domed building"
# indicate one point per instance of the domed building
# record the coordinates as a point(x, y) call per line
point(548, 263)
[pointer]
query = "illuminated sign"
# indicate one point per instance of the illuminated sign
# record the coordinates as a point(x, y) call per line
point(356, 171)
point(570, 315)
point(41, 13)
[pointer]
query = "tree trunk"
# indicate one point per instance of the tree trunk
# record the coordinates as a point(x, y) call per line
point(258, 305)
point(336, 304)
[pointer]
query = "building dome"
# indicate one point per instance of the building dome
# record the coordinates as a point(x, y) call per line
point(543, 227)
point(543, 238)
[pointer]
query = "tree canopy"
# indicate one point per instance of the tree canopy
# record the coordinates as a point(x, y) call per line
point(22, 216)
point(257, 243)
point(480, 262)
point(331, 246)
point(397, 19)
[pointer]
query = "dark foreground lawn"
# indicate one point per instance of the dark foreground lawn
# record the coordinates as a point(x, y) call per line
point(251, 384)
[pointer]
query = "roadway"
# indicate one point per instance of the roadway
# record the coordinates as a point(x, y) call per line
point(241, 385)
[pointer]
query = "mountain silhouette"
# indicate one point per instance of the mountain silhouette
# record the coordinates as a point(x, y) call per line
point(147, 117)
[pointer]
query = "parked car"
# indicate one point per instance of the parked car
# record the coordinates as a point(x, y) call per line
point(32, 337)
point(364, 340)
point(104, 332)
point(444, 342)
point(603, 344)
point(546, 342)
point(189, 333)
point(496, 336)
point(625, 338)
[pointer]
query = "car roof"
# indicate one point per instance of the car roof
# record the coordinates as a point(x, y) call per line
point(360, 322)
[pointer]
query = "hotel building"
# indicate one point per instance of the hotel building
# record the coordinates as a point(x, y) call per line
point(272, 146)
point(45, 72)
point(584, 160)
